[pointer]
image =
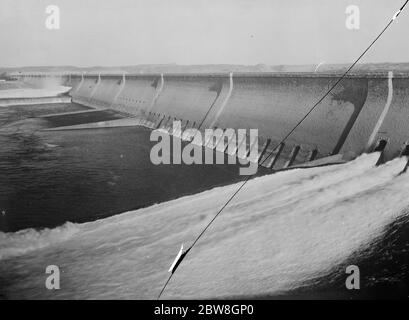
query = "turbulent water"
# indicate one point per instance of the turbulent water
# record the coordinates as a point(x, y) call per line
point(33, 93)
point(281, 234)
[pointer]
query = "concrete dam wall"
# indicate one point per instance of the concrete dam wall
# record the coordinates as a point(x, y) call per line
point(359, 114)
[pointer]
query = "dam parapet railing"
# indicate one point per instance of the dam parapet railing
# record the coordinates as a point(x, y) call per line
point(363, 110)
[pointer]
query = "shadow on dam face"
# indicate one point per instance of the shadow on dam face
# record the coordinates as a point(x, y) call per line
point(356, 94)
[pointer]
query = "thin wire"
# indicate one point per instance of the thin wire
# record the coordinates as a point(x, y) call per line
point(286, 137)
point(164, 287)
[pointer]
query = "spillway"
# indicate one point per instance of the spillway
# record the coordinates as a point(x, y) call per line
point(362, 111)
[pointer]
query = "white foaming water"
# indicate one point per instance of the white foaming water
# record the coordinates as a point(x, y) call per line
point(280, 231)
point(33, 93)
point(18, 243)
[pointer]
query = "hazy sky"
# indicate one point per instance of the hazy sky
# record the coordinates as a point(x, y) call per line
point(128, 32)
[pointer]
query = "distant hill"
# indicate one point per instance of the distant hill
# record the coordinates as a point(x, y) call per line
point(215, 68)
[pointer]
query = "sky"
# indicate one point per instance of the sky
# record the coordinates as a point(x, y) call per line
point(131, 32)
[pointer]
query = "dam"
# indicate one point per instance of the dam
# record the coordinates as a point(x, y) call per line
point(94, 196)
point(362, 113)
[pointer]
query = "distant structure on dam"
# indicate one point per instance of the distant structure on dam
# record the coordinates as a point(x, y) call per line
point(364, 112)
